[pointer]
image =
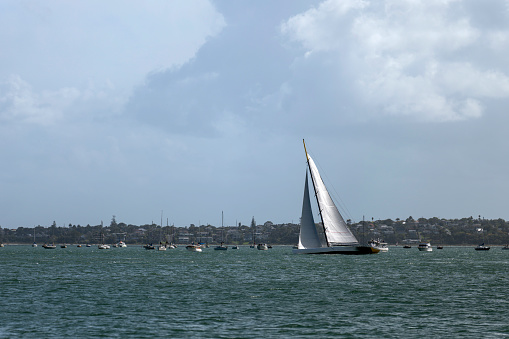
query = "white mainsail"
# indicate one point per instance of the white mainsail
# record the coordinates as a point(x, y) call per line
point(336, 231)
point(308, 237)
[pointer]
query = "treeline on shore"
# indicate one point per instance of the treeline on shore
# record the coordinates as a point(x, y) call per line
point(465, 231)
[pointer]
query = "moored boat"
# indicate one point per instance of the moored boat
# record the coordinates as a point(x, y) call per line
point(193, 248)
point(222, 246)
point(482, 247)
point(262, 247)
point(379, 244)
point(102, 245)
point(425, 246)
point(34, 244)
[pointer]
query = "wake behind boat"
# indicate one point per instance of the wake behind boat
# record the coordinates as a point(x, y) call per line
point(339, 238)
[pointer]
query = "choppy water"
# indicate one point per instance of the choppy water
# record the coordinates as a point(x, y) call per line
point(132, 292)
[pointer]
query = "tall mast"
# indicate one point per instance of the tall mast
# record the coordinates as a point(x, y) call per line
point(316, 195)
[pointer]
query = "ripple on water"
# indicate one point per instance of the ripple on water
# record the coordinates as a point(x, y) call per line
point(132, 292)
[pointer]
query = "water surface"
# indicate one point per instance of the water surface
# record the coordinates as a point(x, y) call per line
point(132, 292)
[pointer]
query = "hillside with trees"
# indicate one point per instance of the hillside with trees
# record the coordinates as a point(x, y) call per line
point(464, 231)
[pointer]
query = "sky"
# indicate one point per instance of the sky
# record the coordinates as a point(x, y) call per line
point(187, 109)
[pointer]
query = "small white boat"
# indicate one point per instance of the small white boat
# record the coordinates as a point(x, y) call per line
point(161, 248)
point(122, 244)
point(262, 247)
point(379, 244)
point(425, 246)
point(194, 248)
point(49, 247)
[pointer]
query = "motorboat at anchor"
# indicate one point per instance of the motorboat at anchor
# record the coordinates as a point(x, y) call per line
point(262, 247)
point(379, 244)
point(425, 246)
point(194, 248)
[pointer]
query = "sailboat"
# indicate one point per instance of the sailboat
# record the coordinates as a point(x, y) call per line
point(102, 245)
point(482, 247)
point(339, 239)
point(221, 247)
point(34, 244)
point(162, 246)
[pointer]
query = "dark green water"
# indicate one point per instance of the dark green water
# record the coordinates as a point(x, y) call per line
point(132, 292)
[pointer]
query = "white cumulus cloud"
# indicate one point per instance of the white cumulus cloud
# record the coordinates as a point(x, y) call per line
point(416, 59)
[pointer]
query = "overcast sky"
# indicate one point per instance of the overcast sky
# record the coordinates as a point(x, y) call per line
point(130, 108)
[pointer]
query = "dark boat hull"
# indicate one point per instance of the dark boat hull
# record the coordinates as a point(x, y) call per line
point(347, 250)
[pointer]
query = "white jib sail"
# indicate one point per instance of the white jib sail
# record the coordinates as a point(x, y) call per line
point(308, 237)
point(335, 227)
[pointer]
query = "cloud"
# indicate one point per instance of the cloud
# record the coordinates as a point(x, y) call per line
point(18, 103)
point(408, 58)
point(91, 54)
